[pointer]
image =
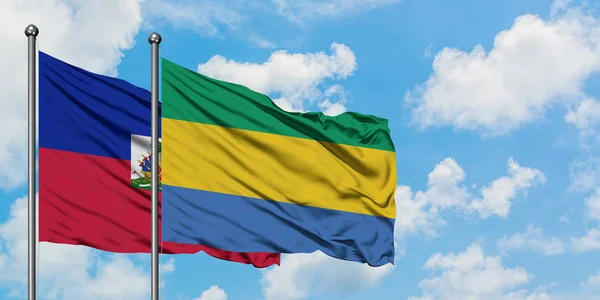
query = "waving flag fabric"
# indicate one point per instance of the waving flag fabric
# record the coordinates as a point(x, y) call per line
point(243, 175)
point(94, 165)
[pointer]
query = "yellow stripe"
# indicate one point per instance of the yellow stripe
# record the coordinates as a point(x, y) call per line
point(280, 168)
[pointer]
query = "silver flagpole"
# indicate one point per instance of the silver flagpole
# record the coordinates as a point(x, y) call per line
point(154, 39)
point(31, 32)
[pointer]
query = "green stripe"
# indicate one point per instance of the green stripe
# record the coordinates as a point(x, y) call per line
point(190, 96)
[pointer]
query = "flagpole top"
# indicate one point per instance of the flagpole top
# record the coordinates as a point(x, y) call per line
point(32, 30)
point(154, 38)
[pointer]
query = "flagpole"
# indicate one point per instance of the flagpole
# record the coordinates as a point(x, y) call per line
point(31, 32)
point(154, 39)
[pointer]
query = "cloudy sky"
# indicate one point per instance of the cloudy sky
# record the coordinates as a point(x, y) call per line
point(493, 106)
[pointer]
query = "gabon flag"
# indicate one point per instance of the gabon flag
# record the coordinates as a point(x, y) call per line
point(241, 174)
point(94, 165)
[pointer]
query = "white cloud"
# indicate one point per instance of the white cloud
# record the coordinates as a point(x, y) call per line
point(213, 293)
point(294, 78)
point(420, 211)
point(261, 42)
point(66, 271)
point(590, 289)
point(288, 106)
point(331, 109)
point(496, 196)
point(168, 266)
point(593, 205)
point(335, 98)
point(559, 6)
point(593, 282)
point(534, 240)
point(215, 17)
point(589, 242)
point(585, 175)
point(524, 295)
point(201, 16)
point(585, 116)
point(427, 53)
point(301, 275)
point(90, 34)
point(472, 275)
point(517, 80)
point(301, 11)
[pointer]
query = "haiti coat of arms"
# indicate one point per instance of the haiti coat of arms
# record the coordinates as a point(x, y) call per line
point(141, 162)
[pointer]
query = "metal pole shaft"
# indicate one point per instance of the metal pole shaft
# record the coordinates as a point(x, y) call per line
point(31, 32)
point(154, 39)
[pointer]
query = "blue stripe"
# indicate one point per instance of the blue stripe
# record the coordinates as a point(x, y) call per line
point(83, 112)
point(243, 224)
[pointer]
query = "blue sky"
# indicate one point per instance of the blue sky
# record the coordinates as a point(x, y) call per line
point(493, 108)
